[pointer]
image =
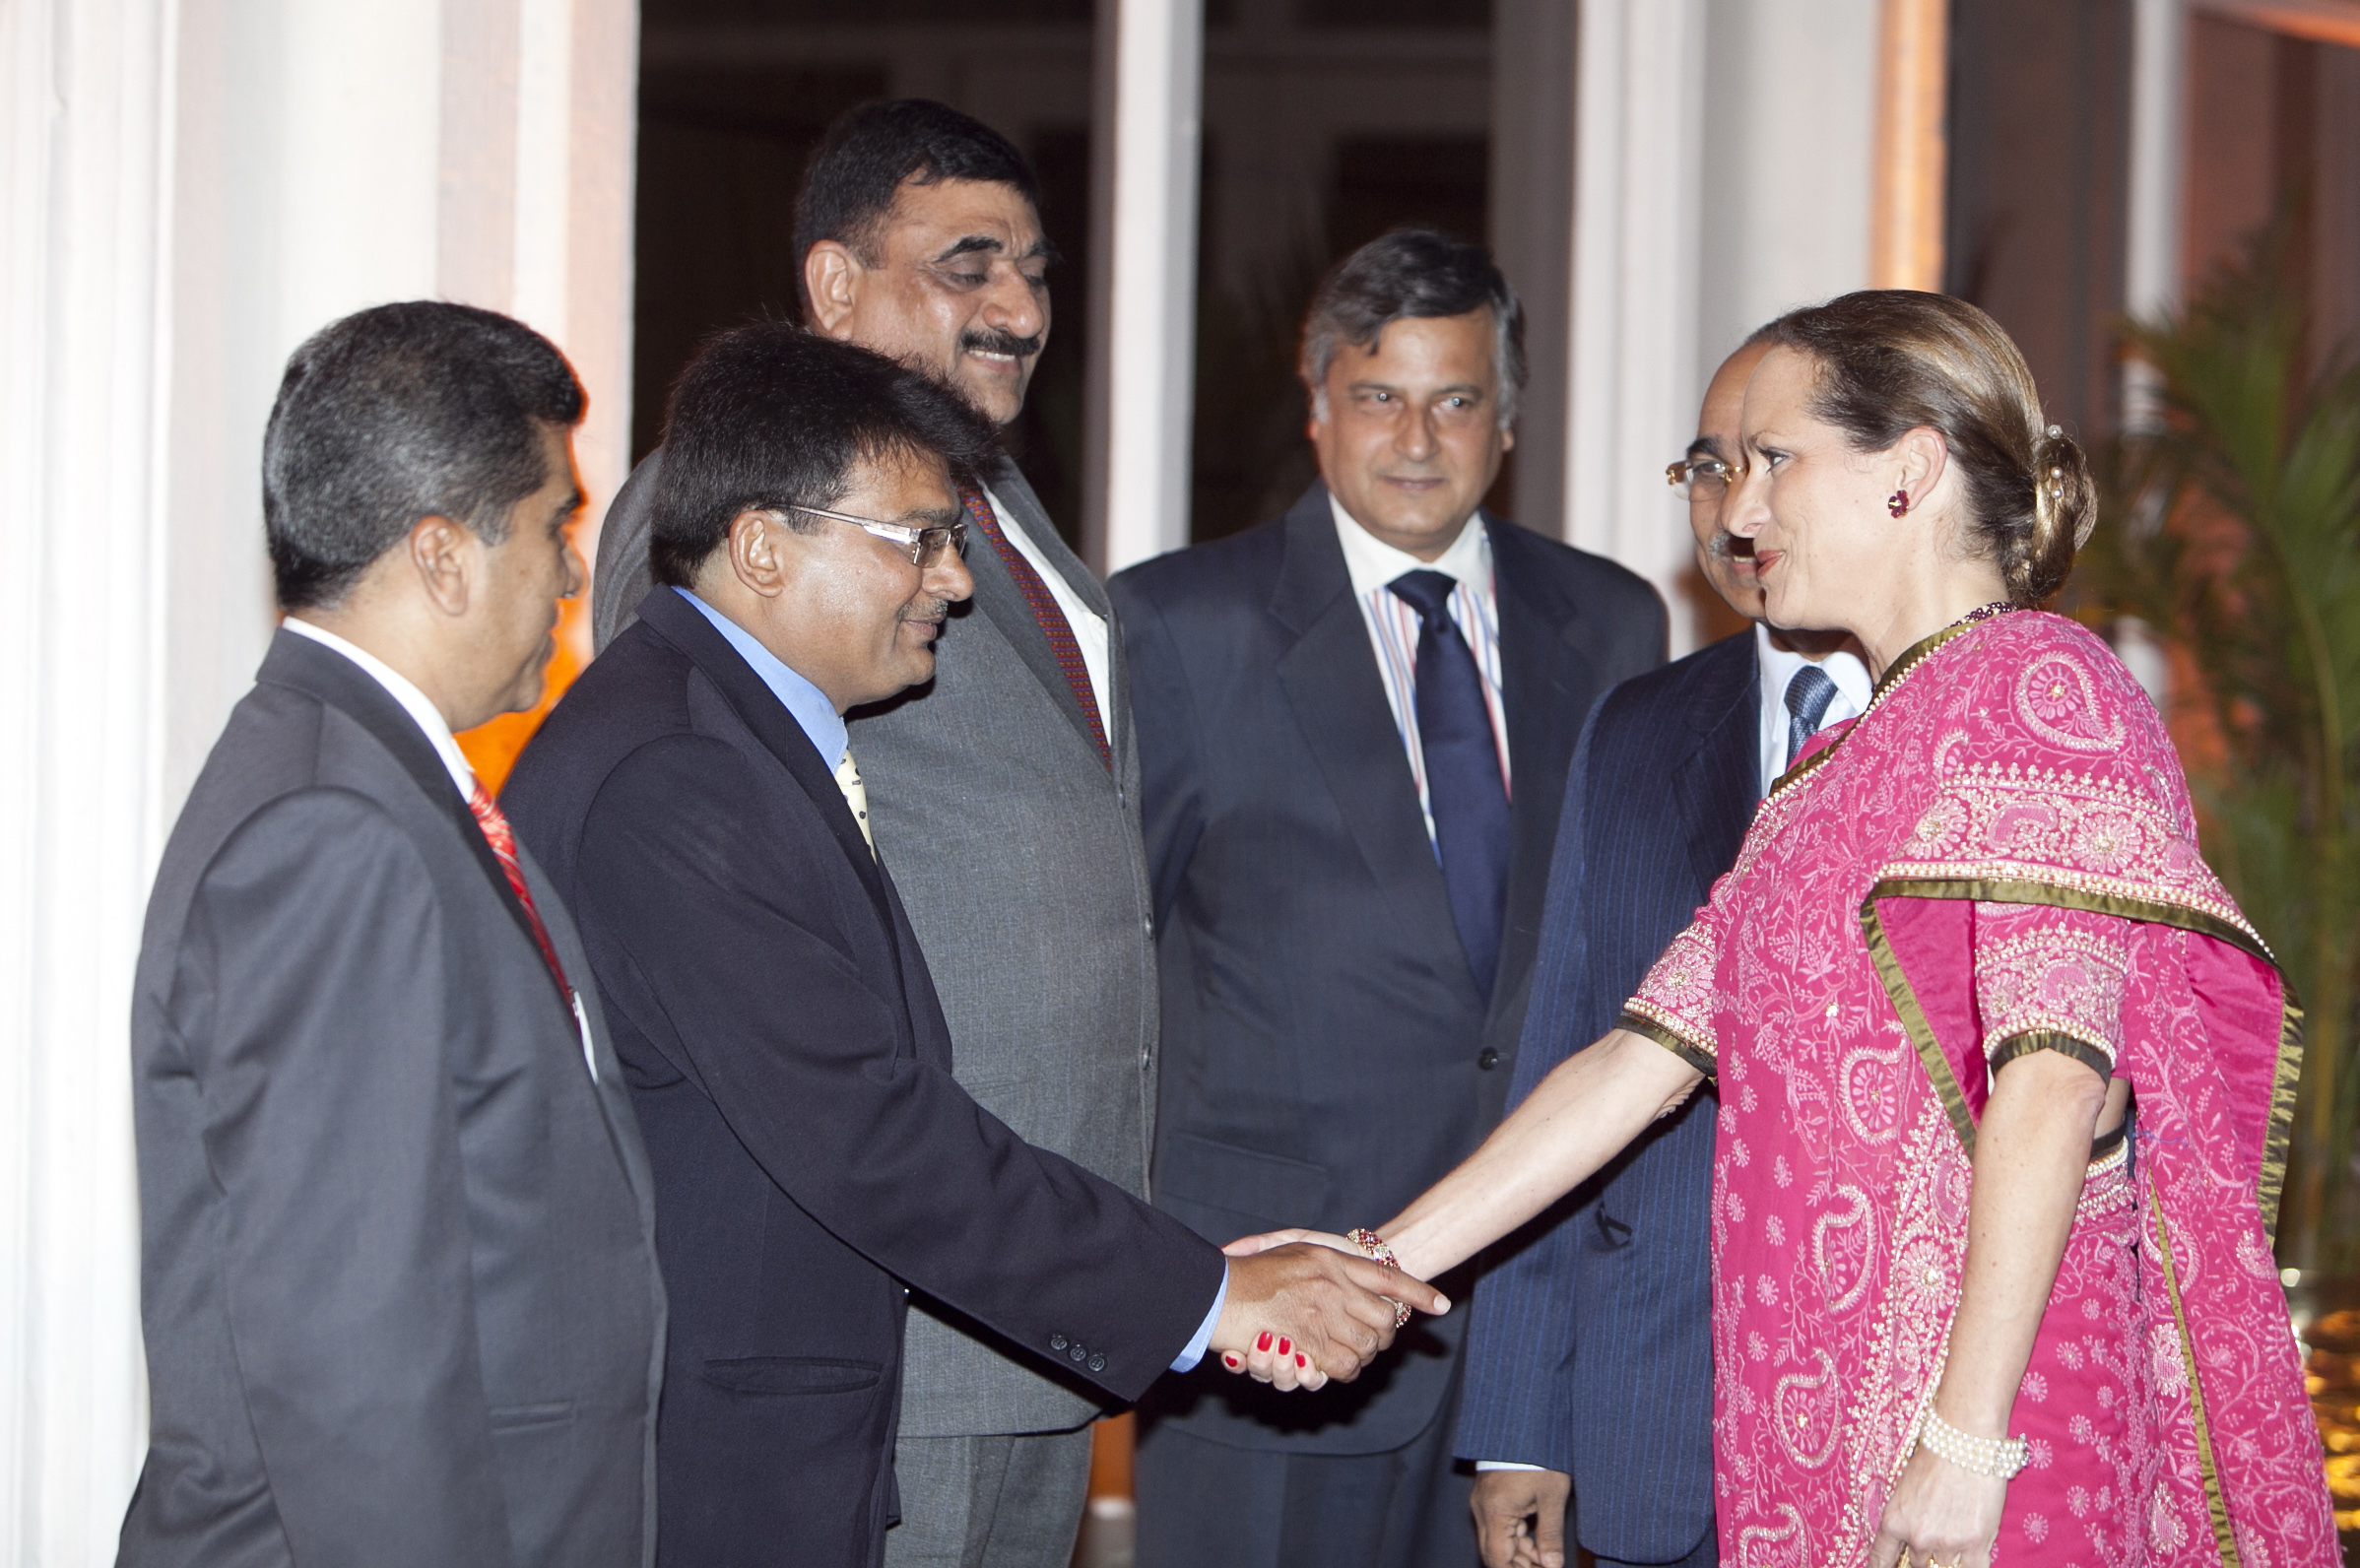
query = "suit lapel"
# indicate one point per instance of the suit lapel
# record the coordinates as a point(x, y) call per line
point(611, 1093)
point(688, 630)
point(1547, 695)
point(1330, 677)
point(1717, 785)
point(322, 673)
point(998, 599)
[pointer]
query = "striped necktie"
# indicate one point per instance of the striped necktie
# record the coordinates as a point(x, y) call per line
point(1045, 610)
point(1809, 693)
point(502, 840)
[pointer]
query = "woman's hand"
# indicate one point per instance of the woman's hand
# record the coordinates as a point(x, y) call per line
point(1939, 1513)
point(1273, 1357)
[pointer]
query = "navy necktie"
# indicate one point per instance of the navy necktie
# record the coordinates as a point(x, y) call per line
point(1809, 693)
point(1463, 789)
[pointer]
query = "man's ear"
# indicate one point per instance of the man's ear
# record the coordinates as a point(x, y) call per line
point(443, 554)
point(756, 552)
point(831, 278)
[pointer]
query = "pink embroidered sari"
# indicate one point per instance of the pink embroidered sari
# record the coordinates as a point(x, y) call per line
point(1998, 857)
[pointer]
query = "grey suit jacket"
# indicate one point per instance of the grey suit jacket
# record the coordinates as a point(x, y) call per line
point(398, 1265)
point(1017, 854)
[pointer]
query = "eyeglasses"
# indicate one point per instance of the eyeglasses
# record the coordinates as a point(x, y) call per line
point(1702, 479)
point(924, 546)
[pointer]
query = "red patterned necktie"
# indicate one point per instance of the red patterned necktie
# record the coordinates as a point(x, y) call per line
point(502, 840)
point(1043, 603)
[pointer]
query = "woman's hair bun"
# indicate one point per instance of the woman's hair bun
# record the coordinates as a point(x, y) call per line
point(2064, 508)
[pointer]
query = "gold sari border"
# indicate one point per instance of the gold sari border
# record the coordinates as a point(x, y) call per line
point(2215, 1501)
point(2057, 889)
point(2062, 1041)
point(1665, 1034)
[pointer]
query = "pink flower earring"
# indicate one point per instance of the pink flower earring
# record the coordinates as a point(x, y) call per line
point(1897, 503)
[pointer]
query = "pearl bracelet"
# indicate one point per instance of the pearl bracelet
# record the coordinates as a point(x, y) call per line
point(1999, 1458)
point(1370, 1242)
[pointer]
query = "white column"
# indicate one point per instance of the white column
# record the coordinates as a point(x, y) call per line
point(187, 189)
point(1724, 172)
point(1148, 117)
point(2158, 146)
point(1639, 110)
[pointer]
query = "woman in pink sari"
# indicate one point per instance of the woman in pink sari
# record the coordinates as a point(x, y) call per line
point(2004, 1077)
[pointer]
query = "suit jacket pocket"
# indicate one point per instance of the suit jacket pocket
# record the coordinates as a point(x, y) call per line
point(520, 1417)
point(791, 1375)
point(1199, 1173)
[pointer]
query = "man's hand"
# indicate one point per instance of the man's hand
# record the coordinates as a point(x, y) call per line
point(1310, 1312)
point(1520, 1516)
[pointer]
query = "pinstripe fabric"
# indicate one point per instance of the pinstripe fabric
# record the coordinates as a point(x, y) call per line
point(1393, 632)
point(1588, 1345)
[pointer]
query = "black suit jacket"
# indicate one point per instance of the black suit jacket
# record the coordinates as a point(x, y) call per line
point(812, 1152)
point(1590, 1348)
point(397, 1255)
point(1327, 1053)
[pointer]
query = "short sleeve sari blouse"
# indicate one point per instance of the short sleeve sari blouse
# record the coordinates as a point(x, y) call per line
point(1998, 857)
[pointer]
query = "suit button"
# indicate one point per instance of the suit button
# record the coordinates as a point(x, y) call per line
point(1079, 1354)
point(1097, 1363)
point(1057, 1341)
point(1487, 1059)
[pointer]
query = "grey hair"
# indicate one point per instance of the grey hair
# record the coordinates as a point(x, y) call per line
point(1411, 272)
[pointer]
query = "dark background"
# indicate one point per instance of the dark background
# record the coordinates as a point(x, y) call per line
point(1329, 121)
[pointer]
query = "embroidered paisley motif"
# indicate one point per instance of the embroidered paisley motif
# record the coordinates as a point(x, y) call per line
point(2056, 697)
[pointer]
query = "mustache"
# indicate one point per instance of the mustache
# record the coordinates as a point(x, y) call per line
point(926, 610)
point(991, 340)
point(1726, 545)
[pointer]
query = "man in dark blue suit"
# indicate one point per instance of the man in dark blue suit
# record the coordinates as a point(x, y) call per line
point(696, 801)
point(1589, 1368)
point(1330, 709)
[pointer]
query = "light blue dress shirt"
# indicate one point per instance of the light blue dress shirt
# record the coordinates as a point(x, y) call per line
point(810, 708)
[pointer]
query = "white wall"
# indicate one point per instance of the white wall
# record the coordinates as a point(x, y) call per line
point(189, 188)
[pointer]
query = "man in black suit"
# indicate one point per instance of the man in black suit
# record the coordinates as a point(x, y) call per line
point(918, 235)
point(398, 1263)
point(695, 797)
point(1589, 1362)
point(1331, 710)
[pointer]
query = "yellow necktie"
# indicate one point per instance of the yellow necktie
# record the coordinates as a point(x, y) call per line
point(856, 795)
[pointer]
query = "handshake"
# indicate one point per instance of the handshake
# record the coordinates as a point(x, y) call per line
point(1304, 1306)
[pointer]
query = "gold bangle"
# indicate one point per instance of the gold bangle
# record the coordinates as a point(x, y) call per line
point(1368, 1241)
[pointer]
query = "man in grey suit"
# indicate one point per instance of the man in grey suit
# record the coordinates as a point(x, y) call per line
point(1003, 793)
point(399, 1282)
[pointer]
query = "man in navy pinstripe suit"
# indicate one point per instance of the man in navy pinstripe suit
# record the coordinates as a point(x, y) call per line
point(1589, 1370)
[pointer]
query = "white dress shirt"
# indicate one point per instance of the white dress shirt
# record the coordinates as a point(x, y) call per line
point(1778, 667)
point(1090, 627)
point(429, 718)
point(1393, 629)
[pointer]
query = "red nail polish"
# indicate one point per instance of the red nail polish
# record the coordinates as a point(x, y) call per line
point(1299, 1359)
point(1284, 1345)
point(1230, 1360)
point(1264, 1342)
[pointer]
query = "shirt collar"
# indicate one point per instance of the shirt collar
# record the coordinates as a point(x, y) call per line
point(805, 702)
point(1373, 564)
point(402, 689)
point(1779, 665)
